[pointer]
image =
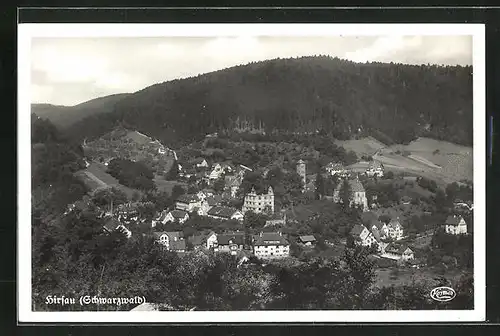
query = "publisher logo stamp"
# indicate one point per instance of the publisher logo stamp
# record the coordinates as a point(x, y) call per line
point(443, 294)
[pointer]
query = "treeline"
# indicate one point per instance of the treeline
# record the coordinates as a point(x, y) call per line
point(392, 102)
point(73, 256)
point(54, 159)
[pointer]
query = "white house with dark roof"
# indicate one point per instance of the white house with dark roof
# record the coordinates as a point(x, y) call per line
point(259, 203)
point(398, 252)
point(176, 216)
point(271, 245)
point(375, 168)
point(225, 213)
point(204, 240)
point(395, 229)
point(172, 241)
point(308, 240)
point(231, 242)
point(455, 225)
point(379, 228)
point(358, 194)
point(362, 236)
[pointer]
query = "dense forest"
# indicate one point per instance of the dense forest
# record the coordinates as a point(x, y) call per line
point(342, 99)
point(54, 159)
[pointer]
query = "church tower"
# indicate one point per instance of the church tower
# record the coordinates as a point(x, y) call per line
point(301, 170)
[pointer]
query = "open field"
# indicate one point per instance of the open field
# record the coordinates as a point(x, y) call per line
point(95, 177)
point(366, 146)
point(442, 161)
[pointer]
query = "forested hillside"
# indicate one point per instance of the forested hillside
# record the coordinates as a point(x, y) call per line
point(65, 116)
point(393, 102)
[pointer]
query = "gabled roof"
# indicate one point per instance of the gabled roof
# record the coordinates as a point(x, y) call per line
point(200, 239)
point(357, 230)
point(378, 224)
point(237, 238)
point(197, 160)
point(394, 224)
point(453, 220)
point(396, 248)
point(222, 211)
point(187, 198)
point(171, 235)
point(307, 239)
point(178, 214)
point(270, 238)
point(356, 186)
point(111, 224)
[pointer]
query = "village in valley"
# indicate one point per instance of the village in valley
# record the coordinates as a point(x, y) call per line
point(218, 206)
point(301, 181)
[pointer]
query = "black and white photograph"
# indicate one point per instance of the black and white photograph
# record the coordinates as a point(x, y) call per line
point(251, 173)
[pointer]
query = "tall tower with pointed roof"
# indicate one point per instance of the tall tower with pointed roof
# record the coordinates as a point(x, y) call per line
point(301, 170)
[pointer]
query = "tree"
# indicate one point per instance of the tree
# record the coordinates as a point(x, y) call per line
point(320, 186)
point(177, 191)
point(345, 193)
point(173, 173)
point(219, 185)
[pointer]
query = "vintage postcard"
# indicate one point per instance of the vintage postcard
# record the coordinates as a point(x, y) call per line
point(219, 173)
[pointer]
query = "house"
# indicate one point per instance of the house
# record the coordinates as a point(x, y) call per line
point(375, 168)
point(379, 229)
point(114, 225)
point(336, 169)
point(232, 184)
point(187, 202)
point(278, 218)
point(225, 213)
point(203, 209)
point(173, 241)
point(230, 242)
point(160, 218)
point(219, 169)
point(455, 225)
point(362, 236)
point(307, 240)
point(214, 200)
point(199, 162)
point(271, 245)
point(259, 202)
point(176, 216)
point(395, 229)
point(357, 196)
point(203, 240)
point(398, 252)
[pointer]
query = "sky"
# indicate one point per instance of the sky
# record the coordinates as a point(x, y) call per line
point(69, 71)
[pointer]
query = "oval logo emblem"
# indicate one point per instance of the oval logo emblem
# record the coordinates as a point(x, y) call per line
point(443, 294)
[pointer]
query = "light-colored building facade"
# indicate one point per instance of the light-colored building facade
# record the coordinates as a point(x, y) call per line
point(455, 225)
point(362, 236)
point(259, 203)
point(271, 245)
point(395, 229)
point(357, 197)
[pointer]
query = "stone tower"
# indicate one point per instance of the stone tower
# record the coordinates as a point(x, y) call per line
point(301, 170)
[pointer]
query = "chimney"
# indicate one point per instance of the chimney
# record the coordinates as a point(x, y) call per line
point(261, 233)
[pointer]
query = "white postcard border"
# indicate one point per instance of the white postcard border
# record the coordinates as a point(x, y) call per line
point(28, 31)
